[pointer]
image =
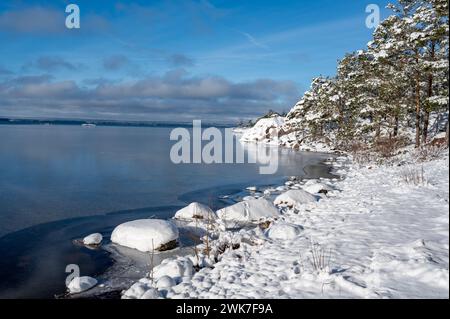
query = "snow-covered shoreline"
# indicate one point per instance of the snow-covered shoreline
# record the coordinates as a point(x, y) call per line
point(271, 131)
point(375, 230)
point(372, 234)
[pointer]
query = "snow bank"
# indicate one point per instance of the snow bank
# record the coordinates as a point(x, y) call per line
point(145, 234)
point(294, 197)
point(195, 211)
point(284, 231)
point(93, 239)
point(264, 129)
point(80, 284)
point(248, 211)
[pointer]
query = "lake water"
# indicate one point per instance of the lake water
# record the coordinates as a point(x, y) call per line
point(58, 183)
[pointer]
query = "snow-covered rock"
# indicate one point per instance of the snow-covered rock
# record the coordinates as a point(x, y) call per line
point(195, 211)
point(151, 293)
point(294, 197)
point(136, 291)
point(284, 231)
point(248, 211)
point(174, 268)
point(264, 129)
point(314, 187)
point(165, 282)
point(145, 234)
point(93, 239)
point(80, 284)
point(143, 289)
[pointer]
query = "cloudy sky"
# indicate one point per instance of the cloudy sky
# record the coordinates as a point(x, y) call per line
point(170, 60)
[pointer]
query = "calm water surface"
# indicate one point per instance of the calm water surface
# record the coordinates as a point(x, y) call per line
point(58, 183)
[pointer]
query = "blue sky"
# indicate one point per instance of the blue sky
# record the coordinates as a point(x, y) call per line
point(171, 60)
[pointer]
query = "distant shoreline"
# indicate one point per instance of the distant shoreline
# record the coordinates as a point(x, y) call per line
point(78, 122)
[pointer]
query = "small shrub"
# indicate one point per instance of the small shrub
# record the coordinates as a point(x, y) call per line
point(152, 263)
point(389, 146)
point(364, 157)
point(413, 175)
point(429, 152)
point(320, 258)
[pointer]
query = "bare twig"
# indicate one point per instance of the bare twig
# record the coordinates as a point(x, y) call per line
point(152, 254)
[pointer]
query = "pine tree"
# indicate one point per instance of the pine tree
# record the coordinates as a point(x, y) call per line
point(401, 77)
point(434, 18)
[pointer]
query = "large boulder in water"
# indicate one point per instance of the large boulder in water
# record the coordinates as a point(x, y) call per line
point(146, 234)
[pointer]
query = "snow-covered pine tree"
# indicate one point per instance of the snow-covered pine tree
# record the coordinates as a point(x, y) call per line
point(433, 16)
point(386, 76)
point(310, 115)
point(401, 78)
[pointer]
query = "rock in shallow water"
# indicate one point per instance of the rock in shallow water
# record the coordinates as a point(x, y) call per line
point(80, 284)
point(146, 234)
point(93, 239)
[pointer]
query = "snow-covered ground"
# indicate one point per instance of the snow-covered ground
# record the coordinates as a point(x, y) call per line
point(371, 234)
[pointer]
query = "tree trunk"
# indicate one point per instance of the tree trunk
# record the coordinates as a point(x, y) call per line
point(378, 128)
point(426, 119)
point(396, 122)
point(417, 93)
point(446, 135)
point(341, 118)
point(417, 112)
